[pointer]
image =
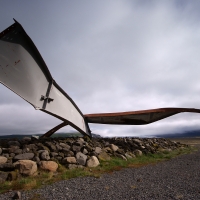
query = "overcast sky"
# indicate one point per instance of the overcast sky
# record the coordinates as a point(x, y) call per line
point(111, 56)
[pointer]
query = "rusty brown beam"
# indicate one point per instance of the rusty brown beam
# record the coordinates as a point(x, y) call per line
point(53, 130)
point(140, 117)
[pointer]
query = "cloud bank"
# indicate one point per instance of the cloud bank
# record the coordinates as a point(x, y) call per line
point(111, 56)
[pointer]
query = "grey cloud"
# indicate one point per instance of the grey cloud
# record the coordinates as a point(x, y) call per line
point(112, 56)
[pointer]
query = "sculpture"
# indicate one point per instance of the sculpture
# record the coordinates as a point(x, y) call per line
point(23, 70)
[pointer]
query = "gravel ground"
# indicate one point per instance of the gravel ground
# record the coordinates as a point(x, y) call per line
point(178, 178)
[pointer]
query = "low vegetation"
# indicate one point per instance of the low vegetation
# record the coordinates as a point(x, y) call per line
point(44, 178)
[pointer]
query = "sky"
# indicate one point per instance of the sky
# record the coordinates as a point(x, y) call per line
point(111, 56)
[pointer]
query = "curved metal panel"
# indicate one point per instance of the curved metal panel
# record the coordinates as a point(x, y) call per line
point(19, 70)
point(64, 109)
point(136, 117)
point(23, 70)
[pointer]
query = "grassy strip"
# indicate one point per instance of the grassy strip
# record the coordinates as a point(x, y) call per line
point(44, 178)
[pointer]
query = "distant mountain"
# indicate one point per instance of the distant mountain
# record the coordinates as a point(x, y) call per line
point(96, 135)
point(195, 133)
point(53, 136)
point(76, 134)
point(13, 136)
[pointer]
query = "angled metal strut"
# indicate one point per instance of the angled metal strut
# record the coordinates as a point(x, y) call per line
point(23, 70)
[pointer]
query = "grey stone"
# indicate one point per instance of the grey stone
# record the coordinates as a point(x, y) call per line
point(137, 141)
point(49, 166)
point(36, 159)
point(0, 151)
point(81, 139)
point(28, 139)
point(69, 160)
point(53, 154)
point(59, 158)
point(66, 146)
point(108, 150)
point(121, 151)
point(138, 152)
point(12, 155)
point(71, 166)
point(79, 143)
point(81, 158)
point(142, 147)
point(69, 153)
point(26, 167)
point(3, 159)
point(59, 148)
point(114, 147)
point(24, 156)
point(13, 143)
point(26, 150)
point(31, 146)
point(107, 144)
point(122, 156)
point(51, 146)
point(85, 151)
point(40, 151)
point(103, 156)
point(98, 150)
point(65, 150)
point(12, 149)
point(44, 155)
point(61, 154)
point(93, 162)
point(76, 148)
point(128, 156)
point(42, 147)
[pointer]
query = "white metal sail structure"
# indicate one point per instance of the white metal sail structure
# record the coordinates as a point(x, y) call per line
point(23, 70)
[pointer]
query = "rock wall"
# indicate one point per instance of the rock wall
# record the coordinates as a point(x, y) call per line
point(25, 156)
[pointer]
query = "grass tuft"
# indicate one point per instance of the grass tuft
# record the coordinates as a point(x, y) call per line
point(73, 173)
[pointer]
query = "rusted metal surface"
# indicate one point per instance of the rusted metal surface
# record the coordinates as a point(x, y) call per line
point(140, 117)
point(53, 130)
point(23, 70)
